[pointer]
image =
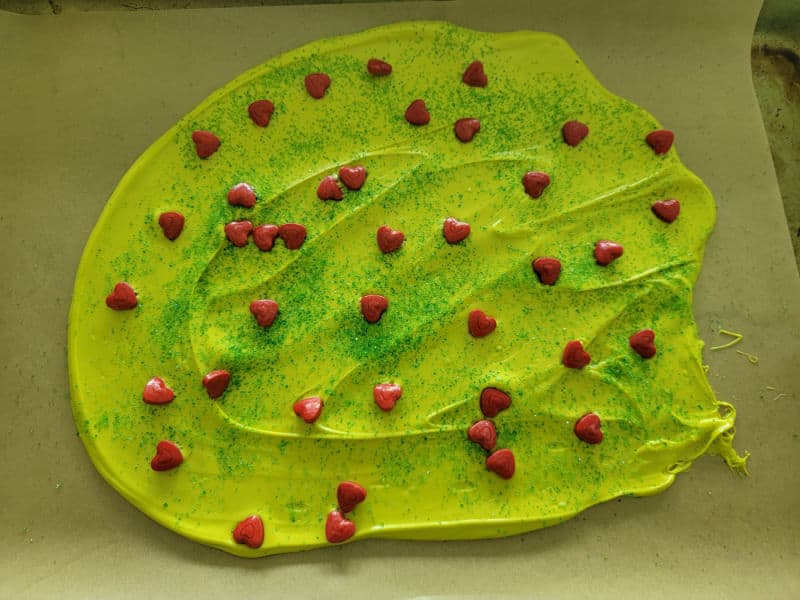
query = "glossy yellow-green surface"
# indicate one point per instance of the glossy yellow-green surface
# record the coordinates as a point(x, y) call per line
point(248, 453)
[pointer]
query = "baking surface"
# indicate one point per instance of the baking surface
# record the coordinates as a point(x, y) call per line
point(85, 94)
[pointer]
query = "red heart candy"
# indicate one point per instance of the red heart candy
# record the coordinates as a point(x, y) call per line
point(587, 428)
point(242, 194)
point(666, 210)
point(349, 494)
point(455, 231)
point(389, 239)
point(660, 140)
point(574, 132)
point(250, 532)
point(293, 235)
point(417, 113)
point(329, 189)
point(216, 382)
point(205, 143)
point(474, 75)
point(575, 357)
point(501, 462)
point(157, 392)
point(338, 528)
point(264, 311)
point(353, 177)
point(535, 182)
point(548, 269)
point(480, 324)
point(373, 307)
point(122, 297)
point(237, 232)
point(605, 252)
point(171, 224)
point(168, 456)
point(643, 344)
point(308, 409)
point(378, 67)
point(465, 129)
point(261, 112)
point(386, 394)
point(317, 84)
point(264, 236)
point(484, 434)
point(493, 401)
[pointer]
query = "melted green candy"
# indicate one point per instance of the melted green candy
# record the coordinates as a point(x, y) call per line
point(247, 453)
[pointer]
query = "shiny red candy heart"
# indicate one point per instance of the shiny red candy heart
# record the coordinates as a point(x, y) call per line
point(389, 239)
point(660, 140)
point(465, 129)
point(386, 394)
point(237, 232)
point(493, 401)
point(123, 297)
point(535, 183)
point(261, 111)
point(338, 528)
point(216, 382)
point(588, 430)
point(378, 67)
point(480, 324)
point(455, 231)
point(205, 143)
point(242, 194)
point(317, 84)
point(250, 532)
point(666, 210)
point(168, 456)
point(293, 235)
point(484, 434)
point(502, 462)
point(264, 236)
point(417, 113)
point(373, 306)
point(606, 252)
point(171, 224)
point(264, 311)
point(575, 357)
point(474, 75)
point(308, 409)
point(349, 494)
point(573, 132)
point(643, 343)
point(157, 392)
point(353, 177)
point(547, 269)
point(328, 189)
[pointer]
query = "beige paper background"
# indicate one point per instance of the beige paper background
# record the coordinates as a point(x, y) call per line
point(83, 94)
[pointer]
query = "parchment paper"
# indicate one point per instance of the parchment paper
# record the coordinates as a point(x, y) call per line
point(83, 94)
